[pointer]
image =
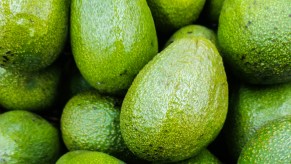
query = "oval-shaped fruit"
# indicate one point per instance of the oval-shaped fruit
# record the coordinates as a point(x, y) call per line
point(251, 107)
point(91, 122)
point(27, 138)
point(172, 15)
point(255, 39)
point(89, 157)
point(111, 41)
point(32, 33)
point(271, 144)
point(193, 31)
point(177, 104)
point(32, 91)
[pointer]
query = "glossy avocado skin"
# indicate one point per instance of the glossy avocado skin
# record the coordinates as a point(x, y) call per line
point(111, 41)
point(252, 107)
point(177, 104)
point(271, 144)
point(31, 91)
point(32, 33)
point(255, 40)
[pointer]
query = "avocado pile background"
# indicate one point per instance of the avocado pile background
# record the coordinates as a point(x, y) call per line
point(51, 51)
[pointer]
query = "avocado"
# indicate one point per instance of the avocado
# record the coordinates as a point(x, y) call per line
point(204, 157)
point(32, 33)
point(253, 106)
point(26, 137)
point(193, 31)
point(111, 41)
point(32, 91)
point(172, 15)
point(255, 40)
point(88, 157)
point(271, 144)
point(177, 104)
point(91, 122)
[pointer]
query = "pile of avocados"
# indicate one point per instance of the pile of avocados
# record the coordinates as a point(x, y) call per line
point(145, 81)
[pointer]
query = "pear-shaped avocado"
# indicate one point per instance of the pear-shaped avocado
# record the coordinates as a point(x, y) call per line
point(177, 104)
point(32, 33)
point(111, 41)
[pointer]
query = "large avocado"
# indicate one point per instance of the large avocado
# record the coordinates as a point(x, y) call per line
point(32, 33)
point(177, 104)
point(111, 41)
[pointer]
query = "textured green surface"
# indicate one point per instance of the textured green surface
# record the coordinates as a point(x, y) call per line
point(27, 138)
point(32, 33)
point(32, 91)
point(88, 157)
point(91, 122)
point(111, 41)
point(255, 39)
point(271, 144)
point(252, 107)
point(172, 15)
point(177, 104)
point(204, 157)
point(193, 31)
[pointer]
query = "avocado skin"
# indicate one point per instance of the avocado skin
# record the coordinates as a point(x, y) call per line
point(31, 91)
point(251, 107)
point(257, 49)
point(271, 144)
point(177, 104)
point(111, 41)
point(32, 33)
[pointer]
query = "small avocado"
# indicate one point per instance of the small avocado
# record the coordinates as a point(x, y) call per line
point(32, 91)
point(177, 104)
point(88, 157)
point(26, 137)
point(271, 144)
point(32, 33)
point(251, 107)
point(111, 41)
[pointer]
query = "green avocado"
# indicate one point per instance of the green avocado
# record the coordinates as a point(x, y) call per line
point(251, 107)
point(32, 91)
point(255, 39)
point(32, 33)
point(177, 104)
point(204, 157)
point(88, 157)
point(271, 144)
point(111, 41)
point(27, 138)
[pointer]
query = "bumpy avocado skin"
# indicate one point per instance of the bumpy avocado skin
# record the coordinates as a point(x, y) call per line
point(111, 41)
point(27, 138)
point(177, 104)
point(31, 91)
point(271, 144)
point(255, 39)
point(32, 33)
point(204, 157)
point(89, 157)
point(252, 107)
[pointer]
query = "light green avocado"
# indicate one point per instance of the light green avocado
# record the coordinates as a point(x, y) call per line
point(32, 33)
point(88, 157)
point(32, 91)
point(111, 41)
point(255, 39)
point(251, 107)
point(27, 138)
point(271, 144)
point(193, 31)
point(177, 104)
point(204, 157)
